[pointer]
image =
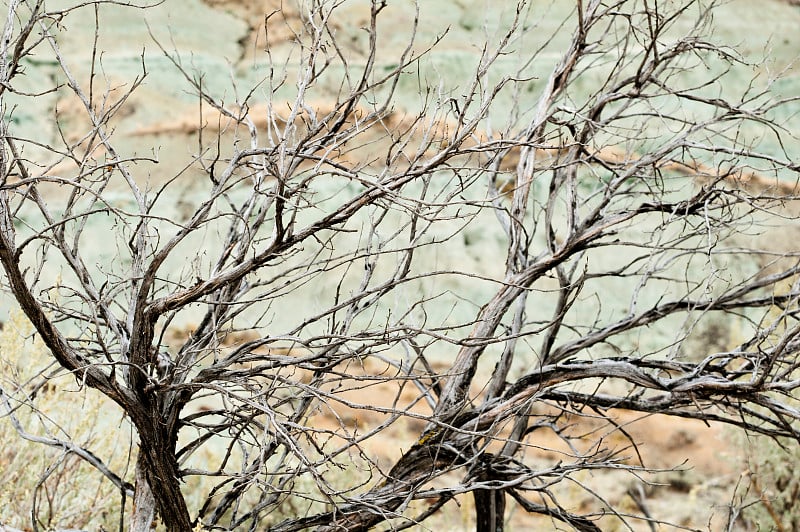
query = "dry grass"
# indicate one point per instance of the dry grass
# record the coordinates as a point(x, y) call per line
point(69, 492)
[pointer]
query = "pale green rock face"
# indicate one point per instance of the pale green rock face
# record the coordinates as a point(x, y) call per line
point(212, 43)
point(211, 40)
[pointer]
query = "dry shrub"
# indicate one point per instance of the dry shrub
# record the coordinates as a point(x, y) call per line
point(770, 498)
point(69, 492)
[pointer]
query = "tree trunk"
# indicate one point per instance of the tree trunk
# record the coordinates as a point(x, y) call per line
point(490, 509)
point(160, 471)
point(144, 504)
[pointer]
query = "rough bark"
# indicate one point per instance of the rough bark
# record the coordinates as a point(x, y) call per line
point(490, 510)
point(157, 461)
point(144, 504)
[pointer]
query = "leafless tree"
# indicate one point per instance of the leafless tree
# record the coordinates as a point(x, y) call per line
point(621, 202)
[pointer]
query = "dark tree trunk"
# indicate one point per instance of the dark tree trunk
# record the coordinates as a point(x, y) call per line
point(161, 472)
point(490, 510)
point(157, 440)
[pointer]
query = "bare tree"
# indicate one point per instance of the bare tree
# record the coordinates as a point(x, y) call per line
point(319, 256)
